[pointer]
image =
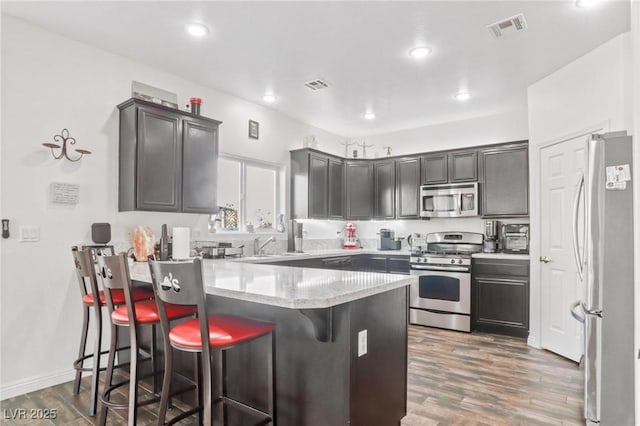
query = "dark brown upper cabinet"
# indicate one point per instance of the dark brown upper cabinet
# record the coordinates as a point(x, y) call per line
point(434, 169)
point(335, 207)
point(408, 188)
point(359, 195)
point(326, 186)
point(449, 167)
point(505, 181)
point(463, 166)
point(168, 159)
point(317, 185)
point(384, 189)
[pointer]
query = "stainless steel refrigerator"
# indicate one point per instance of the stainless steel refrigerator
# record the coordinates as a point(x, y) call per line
point(605, 265)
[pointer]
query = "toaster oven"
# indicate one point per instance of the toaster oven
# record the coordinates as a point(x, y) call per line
point(515, 238)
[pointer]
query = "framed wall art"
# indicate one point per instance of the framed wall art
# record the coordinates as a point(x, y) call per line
point(254, 129)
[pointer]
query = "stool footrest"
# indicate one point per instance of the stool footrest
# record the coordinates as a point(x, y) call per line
point(107, 393)
point(77, 364)
point(182, 416)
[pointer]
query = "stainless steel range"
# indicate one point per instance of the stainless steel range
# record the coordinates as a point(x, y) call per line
point(442, 297)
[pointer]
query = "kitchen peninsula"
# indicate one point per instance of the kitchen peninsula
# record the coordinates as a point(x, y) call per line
point(341, 355)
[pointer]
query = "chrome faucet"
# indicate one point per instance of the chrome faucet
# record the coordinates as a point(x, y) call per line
point(258, 249)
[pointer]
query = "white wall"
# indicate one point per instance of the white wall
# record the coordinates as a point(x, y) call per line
point(590, 93)
point(506, 127)
point(50, 83)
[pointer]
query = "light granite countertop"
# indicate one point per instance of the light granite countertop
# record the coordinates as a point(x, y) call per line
point(288, 287)
point(501, 256)
point(315, 254)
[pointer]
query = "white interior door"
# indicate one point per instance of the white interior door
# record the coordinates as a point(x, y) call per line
point(561, 166)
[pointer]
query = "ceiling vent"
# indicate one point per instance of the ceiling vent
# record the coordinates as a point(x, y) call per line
point(508, 26)
point(316, 84)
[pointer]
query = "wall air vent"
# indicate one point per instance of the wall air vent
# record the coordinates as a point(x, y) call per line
point(316, 84)
point(507, 26)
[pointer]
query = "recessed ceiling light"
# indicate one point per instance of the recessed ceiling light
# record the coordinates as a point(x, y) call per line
point(196, 29)
point(419, 52)
point(462, 96)
point(369, 115)
point(269, 97)
point(586, 3)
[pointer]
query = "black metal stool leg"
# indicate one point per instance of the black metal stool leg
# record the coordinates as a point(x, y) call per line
point(102, 421)
point(95, 379)
point(83, 348)
point(199, 388)
point(154, 358)
point(133, 377)
point(166, 382)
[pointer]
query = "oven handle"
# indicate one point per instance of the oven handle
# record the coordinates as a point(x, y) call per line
point(440, 268)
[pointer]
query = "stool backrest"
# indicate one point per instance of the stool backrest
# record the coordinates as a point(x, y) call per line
point(86, 273)
point(114, 271)
point(180, 283)
point(85, 260)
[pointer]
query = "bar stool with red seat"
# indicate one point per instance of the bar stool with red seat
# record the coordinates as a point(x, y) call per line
point(182, 283)
point(87, 280)
point(132, 314)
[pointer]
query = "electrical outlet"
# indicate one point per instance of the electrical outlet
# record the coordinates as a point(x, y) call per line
point(29, 234)
point(362, 342)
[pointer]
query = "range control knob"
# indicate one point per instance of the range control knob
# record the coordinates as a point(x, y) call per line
point(459, 261)
point(453, 261)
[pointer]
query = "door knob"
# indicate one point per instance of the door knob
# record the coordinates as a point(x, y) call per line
point(545, 259)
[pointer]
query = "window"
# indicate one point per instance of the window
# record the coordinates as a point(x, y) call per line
point(248, 194)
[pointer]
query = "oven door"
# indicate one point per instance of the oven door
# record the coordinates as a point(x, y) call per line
point(444, 289)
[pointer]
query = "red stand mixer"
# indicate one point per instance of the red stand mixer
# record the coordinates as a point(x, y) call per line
point(350, 237)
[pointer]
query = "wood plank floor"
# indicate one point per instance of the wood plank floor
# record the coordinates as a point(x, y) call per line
point(454, 379)
point(485, 379)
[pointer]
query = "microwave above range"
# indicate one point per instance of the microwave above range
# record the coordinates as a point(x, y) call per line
point(451, 200)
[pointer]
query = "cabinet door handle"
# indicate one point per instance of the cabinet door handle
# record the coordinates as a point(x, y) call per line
point(545, 259)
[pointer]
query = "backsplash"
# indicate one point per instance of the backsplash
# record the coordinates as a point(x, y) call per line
point(327, 234)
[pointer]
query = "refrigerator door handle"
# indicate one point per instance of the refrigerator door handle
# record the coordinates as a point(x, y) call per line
point(574, 312)
point(576, 246)
point(594, 312)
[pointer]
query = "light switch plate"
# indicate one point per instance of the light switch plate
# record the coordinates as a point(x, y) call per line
point(362, 343)
point(29, 234)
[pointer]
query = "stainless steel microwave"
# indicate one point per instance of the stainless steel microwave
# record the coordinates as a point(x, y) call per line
point(451, 200)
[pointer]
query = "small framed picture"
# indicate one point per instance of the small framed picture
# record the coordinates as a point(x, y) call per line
point(254, 129)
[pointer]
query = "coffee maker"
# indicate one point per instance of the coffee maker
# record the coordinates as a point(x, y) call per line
point(490, 244)
point(388, 240)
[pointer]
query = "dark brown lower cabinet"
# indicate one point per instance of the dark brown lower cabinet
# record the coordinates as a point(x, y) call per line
point(500, 296)
point(391, 264)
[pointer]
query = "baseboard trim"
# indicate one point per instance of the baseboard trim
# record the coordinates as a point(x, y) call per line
point(533, 341)
point(36, 383)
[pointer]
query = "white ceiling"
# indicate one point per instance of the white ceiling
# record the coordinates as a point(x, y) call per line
point(360, 48)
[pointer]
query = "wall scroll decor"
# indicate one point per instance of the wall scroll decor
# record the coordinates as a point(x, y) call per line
point(254, 129)
point(63, 138)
